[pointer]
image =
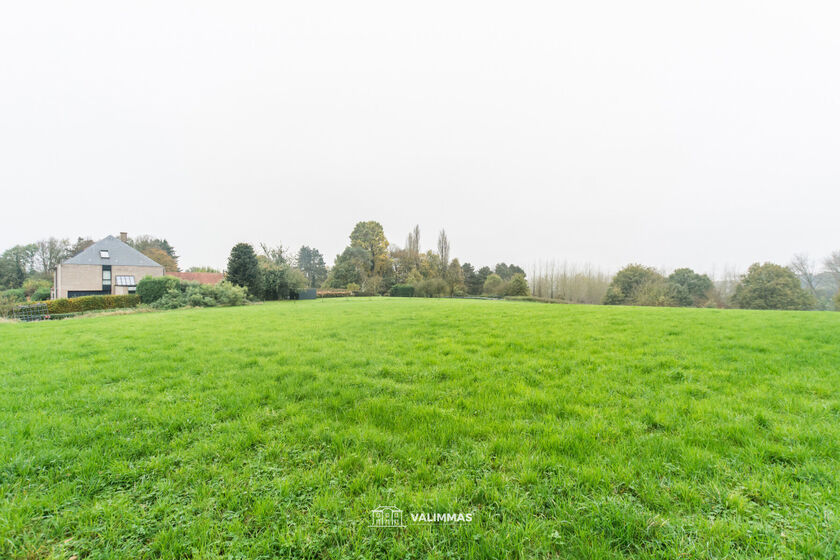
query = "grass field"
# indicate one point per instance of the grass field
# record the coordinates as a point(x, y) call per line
point(568, 431)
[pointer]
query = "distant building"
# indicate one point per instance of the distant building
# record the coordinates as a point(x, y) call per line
point(109, 266)
point(200, 277)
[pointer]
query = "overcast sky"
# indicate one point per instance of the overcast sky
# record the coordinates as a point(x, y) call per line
point(669, 133)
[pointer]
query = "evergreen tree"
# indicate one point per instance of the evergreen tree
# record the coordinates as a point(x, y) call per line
point(243, 268)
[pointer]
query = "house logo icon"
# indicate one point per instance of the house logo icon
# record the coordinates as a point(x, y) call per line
point(387, 516)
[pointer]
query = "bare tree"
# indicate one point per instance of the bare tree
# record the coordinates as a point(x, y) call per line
point(50, 252)
point(278, 255)
point(412, 245)
point(443, 249)
point(805, 270)
point(832, 265)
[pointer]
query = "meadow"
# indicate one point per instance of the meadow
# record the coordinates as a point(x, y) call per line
point(273, 430)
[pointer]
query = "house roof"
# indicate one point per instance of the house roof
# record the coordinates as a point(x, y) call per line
point(200, 277)
point(119, 254)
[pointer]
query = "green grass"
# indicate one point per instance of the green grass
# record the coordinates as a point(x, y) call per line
point(271, 431)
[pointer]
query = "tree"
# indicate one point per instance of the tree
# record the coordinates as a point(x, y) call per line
point(771, 286)
point(80, 245)
point(50, 252)
point(162, 258)
point(455, 278)
point(430, 265)
point(472, 281)
point(805, 270)
point(311, 262)
point(16, 264)
point(412, 247)
point(628, 282)
point(371, 237)
point(203, 269)
point(690, 288)
point(351, 267)
point(506, 272)
point(297, 280)
point(274, 282)
point(494, 285)
point(142, 242)
point(483, 273)
point(278, 255)
point(443, 250)
point(243, 268)
point(517, 286)
point(832, 265)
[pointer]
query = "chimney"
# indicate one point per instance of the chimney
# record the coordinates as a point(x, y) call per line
point(124, 236)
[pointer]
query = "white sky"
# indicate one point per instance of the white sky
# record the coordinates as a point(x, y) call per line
point(669, 133)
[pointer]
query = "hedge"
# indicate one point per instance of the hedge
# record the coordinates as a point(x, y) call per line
point(402, 290)
point(334, 293)
point(91, 303)
point(152, 288)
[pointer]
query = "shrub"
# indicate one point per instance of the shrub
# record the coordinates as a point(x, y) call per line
point(8, 302)
point(333, 293)
point(13, 295)
point(402, 290)
point(657, 292)
point(91, 303)
point(695, 288)
point(150, 289)
point(494, 285)
point(627, 284)
point(353, 287)
point(771, 286)
point(41, 294)
point(433, 287)
point(274, 282)
point(32, 285)
point(517, 286)
point(193, 294)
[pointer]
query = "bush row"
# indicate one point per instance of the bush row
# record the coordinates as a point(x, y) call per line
point(402, 290)
point(334, 293)
point(91, 303)
point(168, 292)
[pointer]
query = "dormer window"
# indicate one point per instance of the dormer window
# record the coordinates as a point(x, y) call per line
point(104, 254)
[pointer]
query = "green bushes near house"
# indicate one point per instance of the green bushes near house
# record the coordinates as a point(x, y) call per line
point(91, 303)
point(13, 295)
point(168, 292)
point(152, 288)
point(41, 294)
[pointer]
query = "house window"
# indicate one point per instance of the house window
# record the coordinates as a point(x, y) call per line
point(106, 277)
point(125, 281)
point(104, 254)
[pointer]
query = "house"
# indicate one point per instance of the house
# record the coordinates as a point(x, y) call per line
point(109, 266)
point(200, 277)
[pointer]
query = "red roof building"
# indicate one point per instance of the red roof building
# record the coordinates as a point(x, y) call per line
point(200, 277)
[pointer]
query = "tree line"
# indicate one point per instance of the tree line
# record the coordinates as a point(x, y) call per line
point(371, 265)
point(799, 285)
